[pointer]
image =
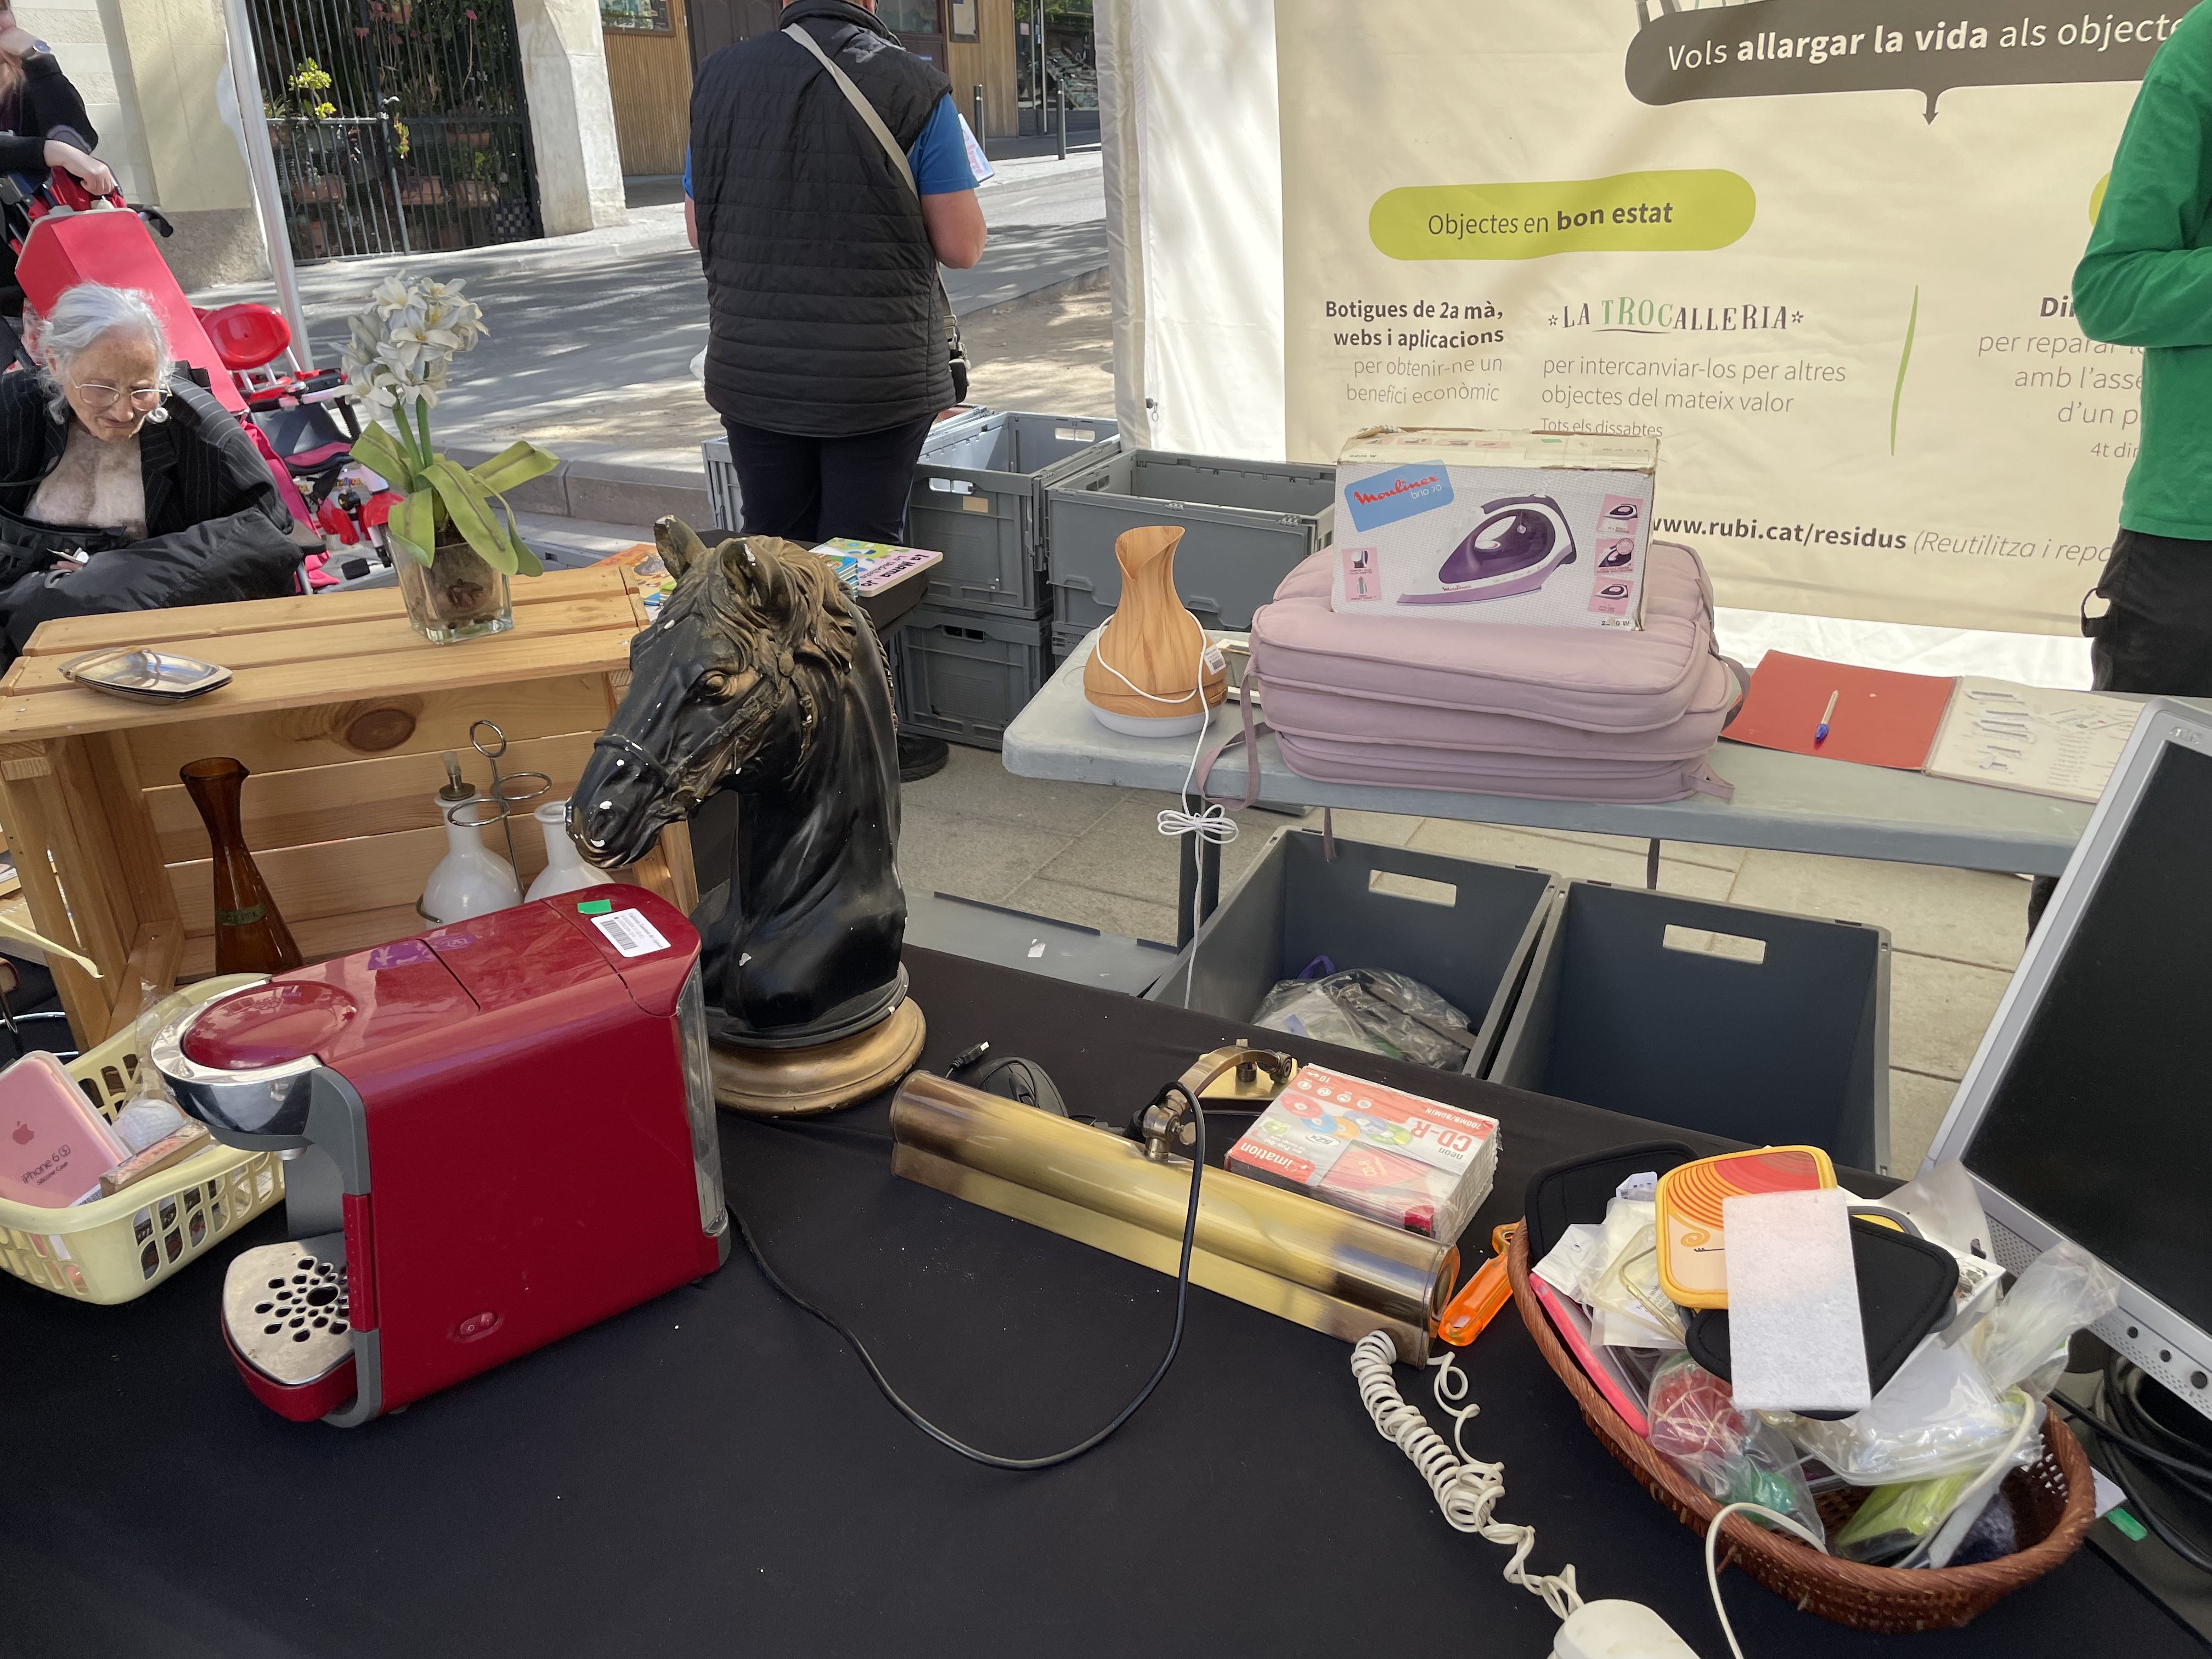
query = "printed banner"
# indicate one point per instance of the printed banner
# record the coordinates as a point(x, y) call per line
point(1821, 249)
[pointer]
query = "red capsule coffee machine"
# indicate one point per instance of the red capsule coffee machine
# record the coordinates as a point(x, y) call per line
point(497, 1133)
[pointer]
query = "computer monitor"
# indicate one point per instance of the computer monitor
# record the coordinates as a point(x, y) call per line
point(2087, 1112)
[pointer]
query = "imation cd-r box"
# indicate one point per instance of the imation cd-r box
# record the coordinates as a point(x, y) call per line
point(1545, 529)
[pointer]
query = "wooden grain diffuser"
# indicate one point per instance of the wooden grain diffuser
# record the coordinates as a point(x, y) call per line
point(1292, 1255)
point(1152, 672)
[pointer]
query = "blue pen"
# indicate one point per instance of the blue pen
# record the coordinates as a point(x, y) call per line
point(1820, 732)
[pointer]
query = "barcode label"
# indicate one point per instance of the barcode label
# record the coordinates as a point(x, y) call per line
point(631, 933)
point(1215, 662)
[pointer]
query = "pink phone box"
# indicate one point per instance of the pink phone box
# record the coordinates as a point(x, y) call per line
point(54, 1147)
point(1361, 579)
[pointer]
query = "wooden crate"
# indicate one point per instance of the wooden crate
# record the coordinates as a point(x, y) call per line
point(340, 713)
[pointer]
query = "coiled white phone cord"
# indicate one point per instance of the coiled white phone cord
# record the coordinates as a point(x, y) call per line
point(1467, 1489)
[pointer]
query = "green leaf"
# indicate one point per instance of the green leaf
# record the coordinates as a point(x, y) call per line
point(379, 452)
point(469, 505)
point(525, 563)
point(413, 527)
point(518, 464)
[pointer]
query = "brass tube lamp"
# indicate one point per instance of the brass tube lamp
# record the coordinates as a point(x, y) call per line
point(1280, 1251)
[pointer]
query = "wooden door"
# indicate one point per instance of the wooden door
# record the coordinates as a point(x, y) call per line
point(649, 75)
point(717, 23)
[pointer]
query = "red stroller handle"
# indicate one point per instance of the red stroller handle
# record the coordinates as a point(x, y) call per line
point(68, 193)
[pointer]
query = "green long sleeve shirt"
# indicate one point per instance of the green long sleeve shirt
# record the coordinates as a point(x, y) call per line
point(2146, 280)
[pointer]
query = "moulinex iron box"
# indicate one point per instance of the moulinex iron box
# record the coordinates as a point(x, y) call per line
point(1392, 1157)
point(1544, 529)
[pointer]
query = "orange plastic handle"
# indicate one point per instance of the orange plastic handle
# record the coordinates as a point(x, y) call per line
point(1480, 1299)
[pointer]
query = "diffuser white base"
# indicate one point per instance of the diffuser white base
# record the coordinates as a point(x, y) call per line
point(1149, 725)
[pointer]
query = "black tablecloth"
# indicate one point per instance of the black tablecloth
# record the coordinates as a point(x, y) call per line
point(712, 1474)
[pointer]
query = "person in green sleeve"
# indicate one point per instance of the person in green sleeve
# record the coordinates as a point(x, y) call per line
point(2147, 280)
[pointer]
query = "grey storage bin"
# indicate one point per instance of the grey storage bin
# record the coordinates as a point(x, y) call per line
point(722, 497)
point(1245, 525)
point(963, 674)
point(1465, 929)
point(1064, 640)
point(1790, 1049)
point(979, 499)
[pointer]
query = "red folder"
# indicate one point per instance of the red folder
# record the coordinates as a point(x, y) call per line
point(1881, 718)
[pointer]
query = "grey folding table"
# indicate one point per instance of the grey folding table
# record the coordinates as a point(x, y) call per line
point(1788, 803)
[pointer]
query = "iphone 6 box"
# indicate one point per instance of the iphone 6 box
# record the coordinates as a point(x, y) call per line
point(1543, 529)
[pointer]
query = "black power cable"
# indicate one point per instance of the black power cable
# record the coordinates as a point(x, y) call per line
point(2132, 1437)
point(991, 1459)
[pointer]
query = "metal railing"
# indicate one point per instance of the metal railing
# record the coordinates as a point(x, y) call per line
point(399, 126)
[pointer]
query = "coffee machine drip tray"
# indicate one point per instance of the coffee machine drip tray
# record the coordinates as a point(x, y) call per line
point(284, 1307)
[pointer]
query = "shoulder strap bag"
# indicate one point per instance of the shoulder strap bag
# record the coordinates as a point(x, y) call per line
point(866, 111)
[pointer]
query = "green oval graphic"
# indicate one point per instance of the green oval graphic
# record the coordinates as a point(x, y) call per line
point(1668, 212)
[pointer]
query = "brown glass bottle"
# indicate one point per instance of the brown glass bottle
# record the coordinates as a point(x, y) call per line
point(250, 937)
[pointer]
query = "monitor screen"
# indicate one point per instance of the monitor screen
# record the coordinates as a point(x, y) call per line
point(2102, 1123)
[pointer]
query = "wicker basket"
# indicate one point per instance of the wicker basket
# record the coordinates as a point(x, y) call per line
point(114, 1249)
point(2054, 1499)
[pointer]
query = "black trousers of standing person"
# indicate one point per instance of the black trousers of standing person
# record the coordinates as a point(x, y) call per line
point(809, 489)
point(2155, 638)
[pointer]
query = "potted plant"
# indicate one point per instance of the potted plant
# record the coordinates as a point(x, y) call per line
point(453, 538)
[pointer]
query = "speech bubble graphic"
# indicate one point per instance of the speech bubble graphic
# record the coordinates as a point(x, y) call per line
point(1670, 212)
point(1785, 48)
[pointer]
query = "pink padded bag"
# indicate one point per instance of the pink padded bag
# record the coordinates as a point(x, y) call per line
point(1549, 713)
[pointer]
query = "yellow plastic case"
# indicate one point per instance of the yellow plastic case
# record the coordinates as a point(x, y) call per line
point(114, 1250)
point(1692, 1255)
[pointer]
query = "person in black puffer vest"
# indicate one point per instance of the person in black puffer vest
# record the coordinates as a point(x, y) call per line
point(827, 354)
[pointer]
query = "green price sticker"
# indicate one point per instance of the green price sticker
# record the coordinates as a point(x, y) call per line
point(595, 906)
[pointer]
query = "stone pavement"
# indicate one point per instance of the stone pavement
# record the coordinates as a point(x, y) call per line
point(592, 336)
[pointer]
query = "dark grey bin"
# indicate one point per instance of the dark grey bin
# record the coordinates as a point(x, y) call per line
point(1295, 904)
point(979, 499)
point(963, 674)
point(1791, 1049)
point(1245, 525)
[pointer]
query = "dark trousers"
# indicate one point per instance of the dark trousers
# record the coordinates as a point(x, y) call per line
point(2154, 638)
point(809, 489)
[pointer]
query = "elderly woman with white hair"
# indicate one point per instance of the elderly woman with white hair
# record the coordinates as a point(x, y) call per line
point(121, 489)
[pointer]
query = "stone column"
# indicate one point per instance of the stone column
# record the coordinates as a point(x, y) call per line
point(178, 143)
point(572, 115)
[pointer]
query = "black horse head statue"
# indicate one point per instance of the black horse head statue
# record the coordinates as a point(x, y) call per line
point(760, 676)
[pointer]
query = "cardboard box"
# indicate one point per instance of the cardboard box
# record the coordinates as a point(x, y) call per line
point(1396, 1158)
point(1543, 529)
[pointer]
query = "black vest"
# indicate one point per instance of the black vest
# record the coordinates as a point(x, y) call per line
point(821, 284)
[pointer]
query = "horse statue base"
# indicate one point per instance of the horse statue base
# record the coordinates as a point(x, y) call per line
point(801, 1082)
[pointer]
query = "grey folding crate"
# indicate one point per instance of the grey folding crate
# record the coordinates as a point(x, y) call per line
point(1245, 524)
point(1763, 1027)
point(963, 674)
point(722, 497)
point(979, 499)
point(727, 503)
point(1464, 929)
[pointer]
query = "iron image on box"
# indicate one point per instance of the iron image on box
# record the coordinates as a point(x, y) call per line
point(1542, 529)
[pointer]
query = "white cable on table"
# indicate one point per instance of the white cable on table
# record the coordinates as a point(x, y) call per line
point(1213, 824)
point(1712, 1571)
point(1467, 1489)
